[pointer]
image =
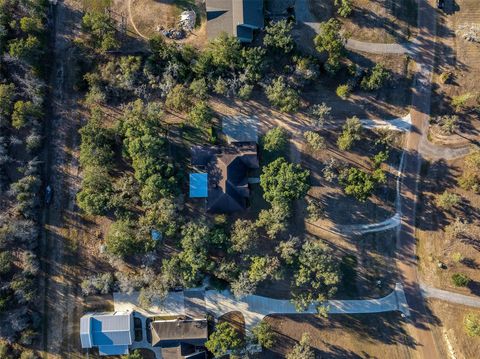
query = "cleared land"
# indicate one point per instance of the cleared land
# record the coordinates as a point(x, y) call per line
point(384, 21)
point(450, 327)
point(436, 246)
point(341, 336)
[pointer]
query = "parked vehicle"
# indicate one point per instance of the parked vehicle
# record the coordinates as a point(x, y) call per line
point(48, 195)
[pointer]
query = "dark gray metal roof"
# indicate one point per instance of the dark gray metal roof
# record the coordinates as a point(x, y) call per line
point(234, 17)
point(169, 332)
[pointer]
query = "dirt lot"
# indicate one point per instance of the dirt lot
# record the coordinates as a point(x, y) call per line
point(144, 17)
point(434, 244)
point(462, 59)
point(341, 336)
point(456, 343)
point(386, 21)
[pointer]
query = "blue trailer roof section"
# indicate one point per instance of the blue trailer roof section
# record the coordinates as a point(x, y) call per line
point(198, 185)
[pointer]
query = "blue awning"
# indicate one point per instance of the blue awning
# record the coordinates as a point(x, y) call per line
point(198, 185)
point(113, 349)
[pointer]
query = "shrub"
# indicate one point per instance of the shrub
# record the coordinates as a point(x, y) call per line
point(243, 235)
point(470, 178)
point(472, 324)
point(199, 88)
point(6, 262)
point(278, 36)
point(24, 113)
point(178, 99)
point(200, 114)
point(282, 96)
point(123, 238)
point(376, 79)
point(460, 280)
point(344, 7)
point(446, 77)
point(352, 131)
point(275, 141)
point(94, 197)
point(320, 114)
point(245, 92)
point(283, 182)
point(302, 350)
point(343, 91)
point(263, 334)
point(315, 141)
point(28, 354)
point(447, 200)
point(220, 87)
point(460, 101)
point(457, 257)
point(448, 124)
point(7, 92)
point(225, 338)
point(98, 284)
point(330, 41)
point(288, 250)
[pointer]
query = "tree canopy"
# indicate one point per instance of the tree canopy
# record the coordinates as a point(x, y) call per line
point(318, 275)
point(223, 339)
point(283, 182)
point(330, 41)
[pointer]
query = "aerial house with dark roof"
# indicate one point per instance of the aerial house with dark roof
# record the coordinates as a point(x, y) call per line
point(228, 171)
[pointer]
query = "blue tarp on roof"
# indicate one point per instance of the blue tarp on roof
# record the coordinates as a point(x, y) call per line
point(198, 185)
point(113, 349)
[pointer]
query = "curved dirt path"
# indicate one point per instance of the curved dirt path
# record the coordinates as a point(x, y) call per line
point(130, 17)
point(434, 152)
point(406, 258)
point(447, 296)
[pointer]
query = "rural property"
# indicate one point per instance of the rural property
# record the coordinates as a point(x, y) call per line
point(198, 179)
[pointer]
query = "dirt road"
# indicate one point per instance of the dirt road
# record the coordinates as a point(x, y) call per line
point(420, 321)
point(60, 253)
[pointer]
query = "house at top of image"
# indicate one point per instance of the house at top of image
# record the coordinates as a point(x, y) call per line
point(239, 18)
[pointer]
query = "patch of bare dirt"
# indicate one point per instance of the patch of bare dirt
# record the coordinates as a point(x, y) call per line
point(342, 336)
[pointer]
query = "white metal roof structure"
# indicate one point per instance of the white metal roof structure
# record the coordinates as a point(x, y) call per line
point(112, 333)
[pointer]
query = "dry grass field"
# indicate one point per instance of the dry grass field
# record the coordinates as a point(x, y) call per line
point(435, 245)
point(450, 328)
point(386, 21)
point(342, 336)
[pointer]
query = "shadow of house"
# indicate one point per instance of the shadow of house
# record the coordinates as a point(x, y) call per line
point(239, 18)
